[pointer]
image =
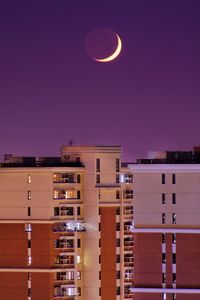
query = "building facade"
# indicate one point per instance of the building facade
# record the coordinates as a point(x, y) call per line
point(65, 226)
point(167, 226)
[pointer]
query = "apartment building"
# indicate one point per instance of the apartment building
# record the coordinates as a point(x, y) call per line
point(167, 226)
point(65, 226)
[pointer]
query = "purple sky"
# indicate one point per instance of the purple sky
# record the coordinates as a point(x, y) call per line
point(51, 91)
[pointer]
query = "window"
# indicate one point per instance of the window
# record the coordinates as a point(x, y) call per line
point(78, 178)
point(163, 218)
point(173, 178)
point(99, 226)
point(117, 194)
point(79, 275)
point(174, 277)
point(98, 178)
point(164, 296)
point(173, 238)
point(97, 165)
point(78, 211)
point(163, 278)
point(99, 275)
point(117, 242)
point(118, 258)
point(56, 211)
point(117, 164)
point(163, 238)
point(118, 211)
point(29, 211)
point(78, 259)
point(79, 195)
point(173, 218)
point(164, 258)
point(28, 227)
point(163, 178)
point(117, 178)
point(117, 226)
point(118, 291)
point(174, 258)
point(29, 178)
point(29, 243)
point(118, 275)
point(173, 198)
point(163, 199)
point(29, 292)
point(29, 195)
point(29, 261)
point(173, 296)
point(79, 243)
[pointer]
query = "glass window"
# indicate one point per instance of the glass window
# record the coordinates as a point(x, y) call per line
point(97, 165)
point(173, 198)
point(29, 211)
point(173, 178)
point(97, 178)
point(173, 218)
point(163, 178)
point(163, 199)
point(117, 165)
point(163, 218)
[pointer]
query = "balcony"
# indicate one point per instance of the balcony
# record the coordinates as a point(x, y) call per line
point(128, 260)
point(65, 260)
point(64, 178)
point(65, 244)
point(64, 291)
point(65, 276)
point(69, 227)
point(126, 178)
point(128, 194)
point(69, 194)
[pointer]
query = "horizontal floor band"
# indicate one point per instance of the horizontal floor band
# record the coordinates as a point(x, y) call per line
point(165, 230)
point(31, 221)
point(165, 290)
point(36, 270)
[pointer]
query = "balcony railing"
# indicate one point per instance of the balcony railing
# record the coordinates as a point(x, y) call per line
point(69, 227)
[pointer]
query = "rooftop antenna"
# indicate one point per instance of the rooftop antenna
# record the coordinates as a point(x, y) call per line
point(70, 142)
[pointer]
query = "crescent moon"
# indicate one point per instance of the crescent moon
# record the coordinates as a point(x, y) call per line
point(115, 54)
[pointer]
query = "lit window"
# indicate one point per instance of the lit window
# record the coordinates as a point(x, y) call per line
point(173, 218)
point(28, 227)
point(29, 195)
point(79, 275)
point(164, 296)
point(78, 259)
point(29, 260)
point(29, 178)
point(163, 238)
point(163, 218)
point(174, 238)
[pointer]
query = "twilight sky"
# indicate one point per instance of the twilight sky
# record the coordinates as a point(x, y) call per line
point(52, 91)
